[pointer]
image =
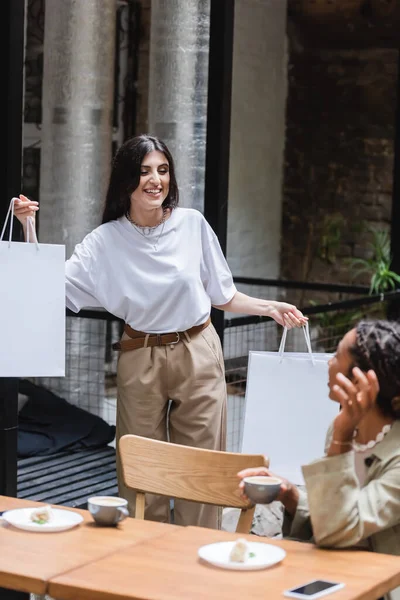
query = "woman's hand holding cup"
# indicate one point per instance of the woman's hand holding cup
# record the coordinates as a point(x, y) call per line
point(287, 493)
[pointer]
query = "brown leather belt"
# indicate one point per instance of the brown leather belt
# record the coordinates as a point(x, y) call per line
point(138, 338)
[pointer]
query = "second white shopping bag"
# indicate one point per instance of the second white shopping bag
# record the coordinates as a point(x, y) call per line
point(32, 308)
point(287, 408)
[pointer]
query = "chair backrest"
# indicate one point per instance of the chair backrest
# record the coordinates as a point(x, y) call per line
point(173, 470)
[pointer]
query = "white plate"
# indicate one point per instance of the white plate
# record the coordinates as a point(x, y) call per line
point(61, 520)
point(265, 555)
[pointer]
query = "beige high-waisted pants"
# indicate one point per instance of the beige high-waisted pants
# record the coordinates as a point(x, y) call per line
point(191, 375)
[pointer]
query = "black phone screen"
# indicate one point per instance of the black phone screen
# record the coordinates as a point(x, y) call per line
point(314, 587)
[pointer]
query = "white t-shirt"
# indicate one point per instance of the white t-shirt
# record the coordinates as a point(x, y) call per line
point(170, 288)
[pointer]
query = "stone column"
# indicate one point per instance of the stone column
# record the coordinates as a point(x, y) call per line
point(178, 72)
point(78, 83)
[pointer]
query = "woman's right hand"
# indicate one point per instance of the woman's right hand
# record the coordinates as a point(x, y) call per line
point(357, 396)
point(24, 208)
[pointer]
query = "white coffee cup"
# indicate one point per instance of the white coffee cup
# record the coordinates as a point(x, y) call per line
point(108, 510)
point(262, 489)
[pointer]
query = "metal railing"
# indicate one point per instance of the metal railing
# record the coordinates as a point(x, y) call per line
point(342, 307)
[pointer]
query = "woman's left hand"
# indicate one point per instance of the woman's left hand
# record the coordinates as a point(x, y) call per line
point(356, 397)
point(287, 315)
point(283, 313)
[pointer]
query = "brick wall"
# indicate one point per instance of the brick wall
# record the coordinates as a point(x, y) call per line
point(338, 159)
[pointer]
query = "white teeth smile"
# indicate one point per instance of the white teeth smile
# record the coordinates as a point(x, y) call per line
point(153, 191)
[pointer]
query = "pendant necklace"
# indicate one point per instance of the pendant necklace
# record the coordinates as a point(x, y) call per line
point(146, 231)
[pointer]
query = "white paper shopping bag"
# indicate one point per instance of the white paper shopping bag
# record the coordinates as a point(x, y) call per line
point(32, 307)
point(287, 408)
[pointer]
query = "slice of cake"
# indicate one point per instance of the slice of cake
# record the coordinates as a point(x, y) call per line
point(42, 515)
point(240, 551)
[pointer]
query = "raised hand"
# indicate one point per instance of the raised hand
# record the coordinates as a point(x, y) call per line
point(356, 397)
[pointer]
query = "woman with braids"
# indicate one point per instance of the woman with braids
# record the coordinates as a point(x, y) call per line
point(160, 268)
point(352, 495)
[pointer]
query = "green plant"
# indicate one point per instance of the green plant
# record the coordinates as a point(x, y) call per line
point(340, 319)
point(331, 234)
point(382, 278)
point(333, 325)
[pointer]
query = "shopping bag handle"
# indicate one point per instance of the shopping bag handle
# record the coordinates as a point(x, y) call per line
point(29, 225)
point(306, 332)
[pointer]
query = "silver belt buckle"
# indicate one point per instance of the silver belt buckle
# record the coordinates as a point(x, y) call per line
point(178, 339)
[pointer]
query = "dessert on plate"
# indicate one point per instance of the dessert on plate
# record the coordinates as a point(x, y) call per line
point(42, 515)
point(240, 551)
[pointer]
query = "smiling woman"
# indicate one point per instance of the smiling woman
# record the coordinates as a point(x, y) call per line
point(352, 494)
point(160, 268)
point(152, 191)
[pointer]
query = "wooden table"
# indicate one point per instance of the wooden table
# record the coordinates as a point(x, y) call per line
point(28, 560)
point(167, 567)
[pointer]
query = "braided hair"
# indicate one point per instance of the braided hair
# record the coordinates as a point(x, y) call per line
point(377, 347)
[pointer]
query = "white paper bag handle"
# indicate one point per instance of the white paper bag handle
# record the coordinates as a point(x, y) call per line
point(306, 332)
point(9, 212)
point(29, 224)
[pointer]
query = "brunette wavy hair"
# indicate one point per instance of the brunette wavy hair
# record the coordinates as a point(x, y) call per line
point(125, 175)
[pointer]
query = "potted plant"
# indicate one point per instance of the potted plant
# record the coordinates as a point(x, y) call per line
point(377, 267)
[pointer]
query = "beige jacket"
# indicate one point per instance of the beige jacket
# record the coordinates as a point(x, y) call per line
point(335, 512)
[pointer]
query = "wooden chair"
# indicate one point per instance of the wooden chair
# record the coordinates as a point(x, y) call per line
point(176, 471)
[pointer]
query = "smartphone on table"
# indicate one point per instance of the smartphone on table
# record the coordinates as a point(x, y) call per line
point(313, 589)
